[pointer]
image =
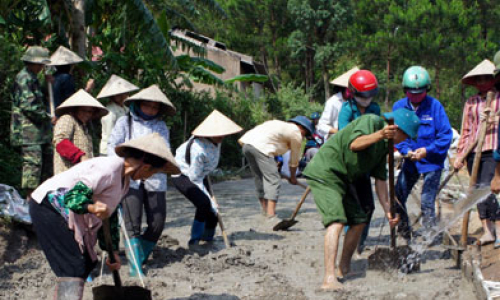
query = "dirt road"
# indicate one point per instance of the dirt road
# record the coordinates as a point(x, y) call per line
point(263, 265)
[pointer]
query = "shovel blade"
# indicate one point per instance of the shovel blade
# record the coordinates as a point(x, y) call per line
point(110, 292)
point(284, 225)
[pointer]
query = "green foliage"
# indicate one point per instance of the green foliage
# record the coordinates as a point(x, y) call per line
point(291, 101)
point(248, 78)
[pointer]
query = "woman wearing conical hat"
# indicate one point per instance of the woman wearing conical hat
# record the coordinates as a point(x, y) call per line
point(482, 78)
point(328, 123)
point(196, 158)
point(147, 108)
point(67, 210)
point(117, 90)
point(64, 83)
point(72, 137)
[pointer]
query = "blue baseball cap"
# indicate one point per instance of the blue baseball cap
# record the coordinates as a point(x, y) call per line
point(315, 115)
point(407, 120)
point(304, 122)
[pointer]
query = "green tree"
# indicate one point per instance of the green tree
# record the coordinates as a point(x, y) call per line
point(316, 39)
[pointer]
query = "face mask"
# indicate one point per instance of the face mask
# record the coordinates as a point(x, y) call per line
point(416, 98)
point(347, 94)
point(484, 87)
point(363, 102)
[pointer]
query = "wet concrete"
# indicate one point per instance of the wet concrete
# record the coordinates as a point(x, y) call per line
point(263, 265)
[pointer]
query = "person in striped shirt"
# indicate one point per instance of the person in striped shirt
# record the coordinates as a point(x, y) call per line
point(482, 78)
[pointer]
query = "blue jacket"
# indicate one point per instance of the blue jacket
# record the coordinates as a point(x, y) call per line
point(350, 112)
point(434, 134)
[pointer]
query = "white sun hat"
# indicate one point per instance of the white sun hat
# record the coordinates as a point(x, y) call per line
point(153, 144)
point(343, 80)
point(64, 56)
point(153, 94)
point(116, 86)
point(216, 124)
point(486, 67)
point(82, 99)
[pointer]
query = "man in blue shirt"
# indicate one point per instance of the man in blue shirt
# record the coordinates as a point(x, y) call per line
point(427, 153)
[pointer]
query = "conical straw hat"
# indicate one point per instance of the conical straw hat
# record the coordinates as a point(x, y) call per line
point(153, 144)
point(486, 67)
point(343, 80)
point(81, 99)
point(154, 94)
point(115, 86)
point(64, 56)
point(216, 124)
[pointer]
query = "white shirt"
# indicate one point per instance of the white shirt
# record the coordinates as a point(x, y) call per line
point(330, 116)
point(108, 122)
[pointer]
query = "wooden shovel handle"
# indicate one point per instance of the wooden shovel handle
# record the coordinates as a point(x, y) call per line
point(302, 199)
point(109, 248)
point(219, 217)
point(392, 197)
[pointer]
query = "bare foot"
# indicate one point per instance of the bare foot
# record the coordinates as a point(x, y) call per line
point(331, 284)
point(344, 269)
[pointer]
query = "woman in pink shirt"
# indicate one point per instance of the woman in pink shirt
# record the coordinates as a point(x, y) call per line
point(67, 210)
point(481, 77)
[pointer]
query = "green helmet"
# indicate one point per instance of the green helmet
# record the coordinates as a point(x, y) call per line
point(416, 79)
point(36, 55)
point(496, 60)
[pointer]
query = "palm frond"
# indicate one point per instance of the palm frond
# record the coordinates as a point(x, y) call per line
point(186, 62)
point(248, 78)
point(153, 32)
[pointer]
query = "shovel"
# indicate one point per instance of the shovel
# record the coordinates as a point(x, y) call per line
point(287, 223)
point(117, 291)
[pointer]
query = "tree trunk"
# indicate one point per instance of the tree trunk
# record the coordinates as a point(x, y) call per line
point(438, 91)
point(326, 81)
point(78, 38)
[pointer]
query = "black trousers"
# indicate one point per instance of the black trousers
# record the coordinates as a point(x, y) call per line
point(200, 200)
point(488, 208)
point(58, 242)
point(155, 207)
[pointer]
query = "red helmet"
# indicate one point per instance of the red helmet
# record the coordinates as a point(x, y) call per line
point(363, 84)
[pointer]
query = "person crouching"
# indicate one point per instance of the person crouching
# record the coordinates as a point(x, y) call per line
point(197, 157)
point(67, 210)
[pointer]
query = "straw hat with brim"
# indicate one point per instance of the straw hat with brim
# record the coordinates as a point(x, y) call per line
point(153, 144)
point(343, 80)
point(81, 99)
point(116, 86)
point(64, 56)
point(216, 124)
point(153, 94)
point(485, 68)
point(36, 55)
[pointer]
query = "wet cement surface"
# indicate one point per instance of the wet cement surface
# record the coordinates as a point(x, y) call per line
point(263, 265)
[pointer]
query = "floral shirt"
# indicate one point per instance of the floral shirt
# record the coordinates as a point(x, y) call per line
point(204, 159)
point(140, 127)
point(68, 127)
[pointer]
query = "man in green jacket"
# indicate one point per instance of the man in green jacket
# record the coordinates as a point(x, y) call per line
point(358, 149)
point(30, 122)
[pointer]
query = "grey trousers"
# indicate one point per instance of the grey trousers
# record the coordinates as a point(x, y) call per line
point(155, 207)
point(265, 172)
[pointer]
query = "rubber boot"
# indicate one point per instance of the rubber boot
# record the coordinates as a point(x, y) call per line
point(196, 232)
point(135, 266)
point(69, 288)
point(208, 235)
point(147, 248)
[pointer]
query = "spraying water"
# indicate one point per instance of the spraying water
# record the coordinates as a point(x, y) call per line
point(460, 206)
